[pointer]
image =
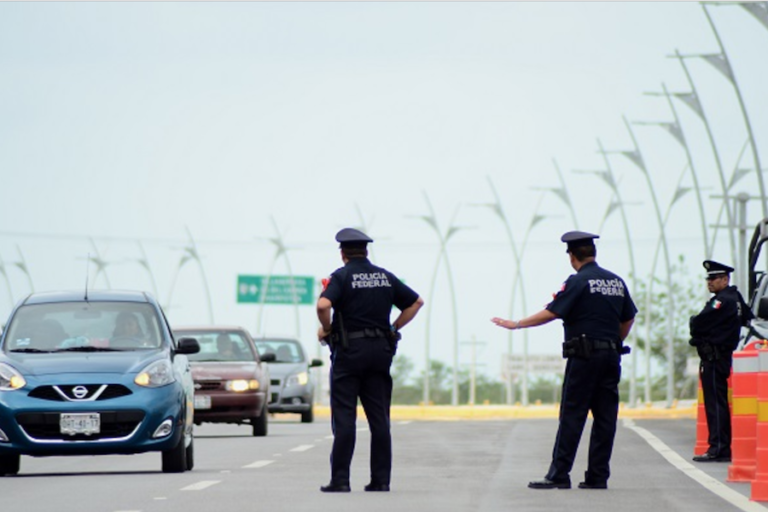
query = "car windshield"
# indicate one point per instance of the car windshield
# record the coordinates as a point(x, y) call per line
point(219, 346)
point(286, 351)
point(83, 326)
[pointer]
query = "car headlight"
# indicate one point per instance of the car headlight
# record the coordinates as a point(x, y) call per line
point(155, 374)
point(298, 379)
point(240, 385)
point(10, 379)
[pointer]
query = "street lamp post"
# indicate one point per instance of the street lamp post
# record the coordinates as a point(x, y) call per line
point(281, 250)
point(443, 238)
point(636, 157)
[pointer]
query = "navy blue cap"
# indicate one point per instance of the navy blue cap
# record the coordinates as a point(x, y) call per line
point(352, 236)
point(578, 239)
point(715, 269)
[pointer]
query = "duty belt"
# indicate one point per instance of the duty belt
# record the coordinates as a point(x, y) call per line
point(603, 344)
point(367, 333)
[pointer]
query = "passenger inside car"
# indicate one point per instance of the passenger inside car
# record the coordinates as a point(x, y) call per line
point(227, 349)
point(48, 334)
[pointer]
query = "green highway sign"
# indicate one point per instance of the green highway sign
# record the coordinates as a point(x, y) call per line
point(280, 290)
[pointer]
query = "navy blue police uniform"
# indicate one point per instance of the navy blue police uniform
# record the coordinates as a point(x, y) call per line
point(715, 334)
point(362, 296)
point(592, 304)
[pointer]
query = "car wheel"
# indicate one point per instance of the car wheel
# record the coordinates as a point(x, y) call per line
point(308, 416)
point(259, 423)
point(190, 455)
point(175, 459)
point(10, 464)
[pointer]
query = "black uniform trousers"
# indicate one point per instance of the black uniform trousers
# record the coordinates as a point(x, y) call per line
point(589, 385)
point(361, 370)
point(714, 387)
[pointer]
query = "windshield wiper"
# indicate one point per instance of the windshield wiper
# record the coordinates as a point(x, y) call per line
point(30, 350)
point(88, 349)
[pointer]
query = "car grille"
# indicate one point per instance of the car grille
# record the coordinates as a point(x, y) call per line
point(207, 385)
point(45, 425)
point(66, 393)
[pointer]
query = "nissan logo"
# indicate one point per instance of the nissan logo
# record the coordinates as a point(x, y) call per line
point(80, 392)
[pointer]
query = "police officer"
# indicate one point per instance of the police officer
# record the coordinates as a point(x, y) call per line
point(715, 334)
point(597, 313)
point(363, 342)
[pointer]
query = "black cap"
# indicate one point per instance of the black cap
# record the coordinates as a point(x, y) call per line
point(352, 237)
point(578, 239)
point(715, 269)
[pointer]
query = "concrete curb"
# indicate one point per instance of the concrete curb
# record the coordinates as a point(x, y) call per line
point(503, 412)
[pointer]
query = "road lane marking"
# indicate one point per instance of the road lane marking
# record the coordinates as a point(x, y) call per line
point(302, 448)
point(329, 437)
point(160, 498)
point(199, 486)
point(706, 481)
point(404, 422)
point(362, 430)
point(258, 464)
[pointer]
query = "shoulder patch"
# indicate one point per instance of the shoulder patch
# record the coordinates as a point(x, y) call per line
point(716, 304)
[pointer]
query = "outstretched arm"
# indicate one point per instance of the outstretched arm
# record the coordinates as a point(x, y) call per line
point(542, 317)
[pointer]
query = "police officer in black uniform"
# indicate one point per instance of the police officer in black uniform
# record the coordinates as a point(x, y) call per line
point(597, 313)
point(363, 343)
point(715, 334)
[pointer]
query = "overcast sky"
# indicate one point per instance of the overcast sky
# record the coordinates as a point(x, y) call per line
point(123, 125)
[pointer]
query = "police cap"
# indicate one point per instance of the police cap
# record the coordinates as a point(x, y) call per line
point(715, 269)
point(350, 237)
point(578, 239)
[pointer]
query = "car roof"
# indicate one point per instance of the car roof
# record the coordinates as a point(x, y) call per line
point(209, 328)
point(276, 338)
point(93, 296)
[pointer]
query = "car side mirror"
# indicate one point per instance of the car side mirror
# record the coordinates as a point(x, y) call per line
point(762, 308)
point(315, 362)
point(268, 357)
point(187, 346)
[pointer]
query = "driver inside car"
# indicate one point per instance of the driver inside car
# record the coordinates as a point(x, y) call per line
point(127, 328)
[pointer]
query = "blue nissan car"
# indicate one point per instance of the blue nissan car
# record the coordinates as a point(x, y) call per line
point(90, 373)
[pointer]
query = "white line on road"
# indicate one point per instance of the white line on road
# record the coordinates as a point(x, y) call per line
point(404, 422)
point(160, 498)
point(329, 437)
point(258, 464)
point(362, 430)
point(199, 486)
point(302, 448)
point(709, 483)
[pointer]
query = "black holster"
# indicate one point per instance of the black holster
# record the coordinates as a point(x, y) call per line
point(580, 348)
point(708, 352)
point(393, 338)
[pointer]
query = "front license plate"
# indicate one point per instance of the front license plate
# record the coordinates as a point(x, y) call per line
point(202, 402)
point(80, 423)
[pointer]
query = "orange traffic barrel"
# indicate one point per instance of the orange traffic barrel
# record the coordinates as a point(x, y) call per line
point(744, 415)
point(702, 431)
point(760, 483)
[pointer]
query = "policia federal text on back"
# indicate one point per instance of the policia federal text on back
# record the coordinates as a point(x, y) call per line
point(363, 342)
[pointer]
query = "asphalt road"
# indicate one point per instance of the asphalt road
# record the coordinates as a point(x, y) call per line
point(439, 466)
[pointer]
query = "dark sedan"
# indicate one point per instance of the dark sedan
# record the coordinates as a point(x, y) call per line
point(89, 373)
point(231, 382)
